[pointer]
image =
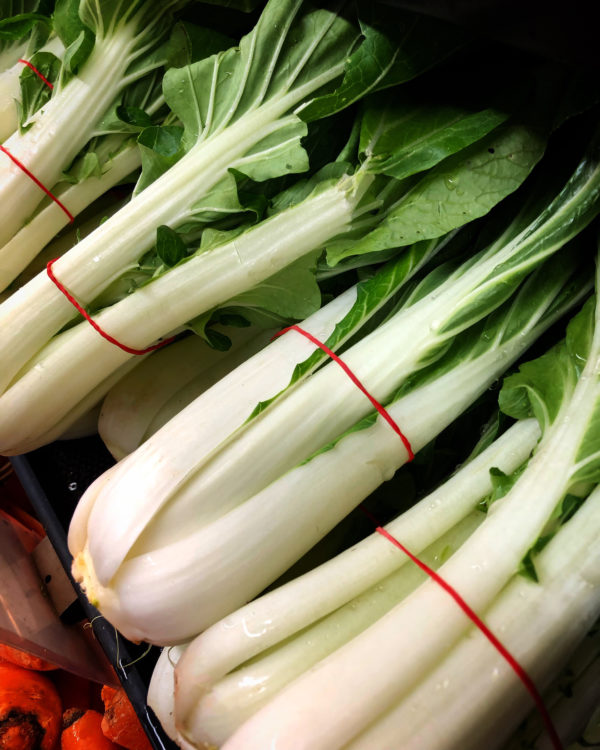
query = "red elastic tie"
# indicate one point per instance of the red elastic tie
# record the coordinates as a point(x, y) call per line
point(37, 72)
point(478, 622)
point(37, 182)
point(381, 409)
point(92, 322)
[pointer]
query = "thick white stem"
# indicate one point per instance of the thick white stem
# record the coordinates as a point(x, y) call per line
point(167, 382)
point(162, 688)
point(238, 695)
point(10, 91)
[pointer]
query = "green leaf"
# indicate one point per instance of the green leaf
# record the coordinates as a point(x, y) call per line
point(587, 459)
point(212, 237)
point(203, 326)
point(34, 92)
point(288, 48)
point(292, 293)
point(189, 42)
point(527, 568)
point(160, 148)
point(19, 26)
point(169, 246)
point(501, 484)
point(74, 34)
point(555, 287)
point(303, 188)
point(563, 512)
point(88, 166)
point(542, 386)
point(456, 191)
point(397, 47)
point(402, 139)
point(276, 154)
point(67, 23)
point(78, 52)
point(134, 116)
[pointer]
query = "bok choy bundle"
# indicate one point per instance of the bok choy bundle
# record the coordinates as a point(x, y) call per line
point(543, 518)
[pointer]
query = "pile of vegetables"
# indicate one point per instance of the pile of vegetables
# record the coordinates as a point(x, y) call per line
point(44, 708)
point(339, 241)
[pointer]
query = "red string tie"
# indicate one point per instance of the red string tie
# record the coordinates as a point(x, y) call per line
point(479, 623)
point(37, 72)
point(37, 182)
point(379, 407)
point(80, 309)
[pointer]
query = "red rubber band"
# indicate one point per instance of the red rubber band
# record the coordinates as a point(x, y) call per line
point(37, 182)
point(37, 72)
point(478, 622)
point(92, 322)
point(381, 409)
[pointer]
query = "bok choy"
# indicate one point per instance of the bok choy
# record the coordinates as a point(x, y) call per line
point(227, 495)
point(400, 702)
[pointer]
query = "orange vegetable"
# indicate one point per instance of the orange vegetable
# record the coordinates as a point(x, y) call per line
point(30, 710)
point(120, 722)
point(24, 659)
point(83, 732)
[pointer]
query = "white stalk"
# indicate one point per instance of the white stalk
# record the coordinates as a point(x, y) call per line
point(91, 400)
point(162, 687)
point(571, 700)
point(474, 699)
point(221, 273)
point(104, 207)
point(10, 91)
point(238, 695)
point(338, 709)
point(11, 53)
point(39, 310)
point(291, 608)
point(61, 128)
point(83, 426)
point(159, 466)
point(19, 251)
point(577, 716)
point(10, 88)
point(165, 383)
point(175, 602)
